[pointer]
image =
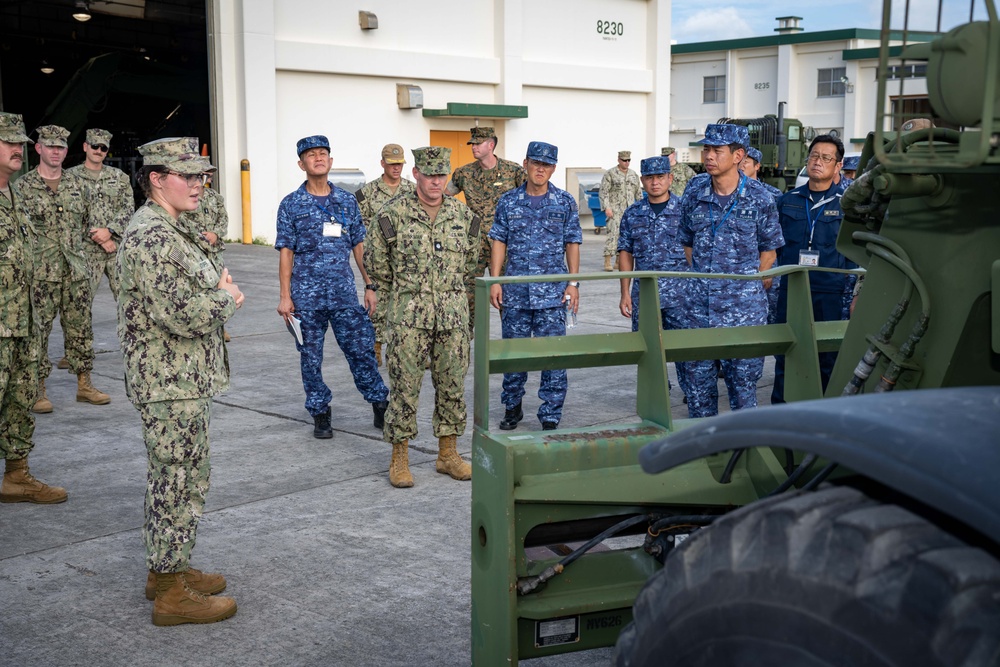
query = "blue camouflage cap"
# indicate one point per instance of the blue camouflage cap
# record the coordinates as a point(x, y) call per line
point(542, 152)
point(315, 141)
point(755, 155)
point(655, 165)
point(851, 163)
point(723, 134)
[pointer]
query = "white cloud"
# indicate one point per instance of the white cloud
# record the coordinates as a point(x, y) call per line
point(706, 25)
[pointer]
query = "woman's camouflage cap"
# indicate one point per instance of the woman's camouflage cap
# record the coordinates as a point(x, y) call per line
point(177, 153)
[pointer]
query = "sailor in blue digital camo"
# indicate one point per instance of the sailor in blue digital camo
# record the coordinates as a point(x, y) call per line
point(18, 331)
point(647, 241)
point(537, 226)
point(483, 182)
point(59, 206)
point(319, 229)
point(751, 167)
point(172, 305)
point(729, 224)
point(111, 206)
point(620, 187)
point(371, 197)
point(420, 254)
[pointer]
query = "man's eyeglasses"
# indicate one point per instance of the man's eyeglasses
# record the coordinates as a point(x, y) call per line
point(825, 159)
point(191, 179)
point(99, 147)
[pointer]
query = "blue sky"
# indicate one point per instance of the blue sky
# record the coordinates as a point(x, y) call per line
point(710, 20)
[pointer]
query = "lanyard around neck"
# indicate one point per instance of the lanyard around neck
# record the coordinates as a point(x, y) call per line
point(729, 209)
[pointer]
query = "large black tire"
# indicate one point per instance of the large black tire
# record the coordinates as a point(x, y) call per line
point(829, 578)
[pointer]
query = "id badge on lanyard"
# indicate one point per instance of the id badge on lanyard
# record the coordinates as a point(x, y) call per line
point(332, 228)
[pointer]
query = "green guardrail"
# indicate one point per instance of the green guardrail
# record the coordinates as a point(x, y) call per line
point(537, 494)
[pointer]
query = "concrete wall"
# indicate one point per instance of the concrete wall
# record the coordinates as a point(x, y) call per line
point(284, 70)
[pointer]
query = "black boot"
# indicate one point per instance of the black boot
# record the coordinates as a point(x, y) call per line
point(379, 410)
point(511, 418)
point(321, 425)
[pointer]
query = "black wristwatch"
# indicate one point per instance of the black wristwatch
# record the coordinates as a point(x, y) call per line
point(575, 283)
point(372, 286)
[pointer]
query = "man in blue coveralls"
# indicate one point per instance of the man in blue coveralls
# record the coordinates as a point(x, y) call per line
point(729, 224)
point(319, 228)
point(537, 227)
point(810, 219)
point(647, 241)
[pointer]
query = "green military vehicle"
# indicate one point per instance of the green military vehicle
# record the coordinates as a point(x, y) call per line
point(860, 528)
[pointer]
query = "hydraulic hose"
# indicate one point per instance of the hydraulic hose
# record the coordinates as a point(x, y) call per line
point(531, 584)
point(872, 355)
point(820, 476)
point(727, 474)
point(794, 477)
point(895, 369)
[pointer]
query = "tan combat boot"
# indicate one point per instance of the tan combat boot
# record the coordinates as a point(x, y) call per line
point(399, 468)
point(87, 393)
point(607, 263)
point(449, 462)
point(205, 583)
point(176, 602)
point(20, 486)
point(43, 405)
point(378, 353)
point(63, 364)
point(616, 261)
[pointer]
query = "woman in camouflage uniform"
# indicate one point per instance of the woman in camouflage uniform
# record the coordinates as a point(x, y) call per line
point(172, 305)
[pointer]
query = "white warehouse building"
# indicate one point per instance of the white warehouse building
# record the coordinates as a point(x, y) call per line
point(590, 76)
point(827, 79)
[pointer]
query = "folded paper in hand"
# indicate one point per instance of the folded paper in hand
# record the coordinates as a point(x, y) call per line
point(294, 325)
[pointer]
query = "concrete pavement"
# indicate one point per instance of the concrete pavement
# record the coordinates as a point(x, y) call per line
point(328, 563)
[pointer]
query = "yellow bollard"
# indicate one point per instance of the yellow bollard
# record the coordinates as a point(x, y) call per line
point(245, 189)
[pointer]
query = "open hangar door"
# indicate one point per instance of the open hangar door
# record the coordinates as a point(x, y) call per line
point(138, 68)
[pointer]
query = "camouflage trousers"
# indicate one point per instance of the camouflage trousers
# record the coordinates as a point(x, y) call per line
point(611, 243)
point(670, 319)
point(72, 302)
point(522, 323)
point(103, 265)
point(448, 350)
point(485, 250)
point(742, 376)
point(18, 389)
point(356, 337)
point(177, 479)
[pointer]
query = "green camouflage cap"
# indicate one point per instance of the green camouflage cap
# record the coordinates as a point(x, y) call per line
point(12, 128)
point(179, 154)
point(667, 150)
point(624, 155)
point(53, 135)
point(96, 137)
point(432, 160)
point(481, 134)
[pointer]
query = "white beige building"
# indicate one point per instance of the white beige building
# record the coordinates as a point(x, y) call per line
point(827, 79)
point(590, 76)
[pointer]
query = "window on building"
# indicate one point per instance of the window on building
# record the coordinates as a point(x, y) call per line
point(715, 89)
point(830, 82)
point(906, 71)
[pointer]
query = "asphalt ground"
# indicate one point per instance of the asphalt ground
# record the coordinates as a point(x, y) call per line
point(329, 564)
